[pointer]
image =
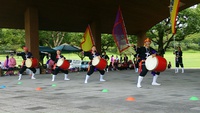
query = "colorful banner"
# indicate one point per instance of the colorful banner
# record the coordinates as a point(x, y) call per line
point(174, 5)
point(87, 41)
point(119, 32)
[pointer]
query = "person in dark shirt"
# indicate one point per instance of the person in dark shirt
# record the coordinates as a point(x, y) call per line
point(137, 59)
point(25, 55)
point(143, 52)
point(179, 60)
point(57, 69)
point(125, 58)
point(169, 65)
point(92, 54)
point(120, 59)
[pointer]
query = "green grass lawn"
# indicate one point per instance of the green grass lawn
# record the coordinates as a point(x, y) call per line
point(191, 59)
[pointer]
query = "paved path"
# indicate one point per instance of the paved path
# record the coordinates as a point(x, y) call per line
point(76, 97)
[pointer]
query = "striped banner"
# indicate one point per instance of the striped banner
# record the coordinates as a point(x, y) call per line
point(174, 5)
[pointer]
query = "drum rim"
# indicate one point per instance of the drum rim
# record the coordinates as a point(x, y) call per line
point(155, 65)
point(58, 62)
point(28, 59)
point(94, 59)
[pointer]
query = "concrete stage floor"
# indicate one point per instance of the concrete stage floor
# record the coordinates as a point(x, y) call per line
point(44, 96)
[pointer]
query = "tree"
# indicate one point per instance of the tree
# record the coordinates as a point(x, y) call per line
point(74, 38)
point(191, 42)
point(51, 38)
point(107, 41)
point(187, 23)
point(12, 39)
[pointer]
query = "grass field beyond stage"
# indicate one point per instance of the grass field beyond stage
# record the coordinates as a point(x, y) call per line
point(191, 59)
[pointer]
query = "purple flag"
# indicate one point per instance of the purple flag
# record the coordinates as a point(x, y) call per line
point(119, 32)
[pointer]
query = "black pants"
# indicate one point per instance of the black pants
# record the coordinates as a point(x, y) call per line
point(136, 64)
point(24, 68)
point(58, 69)
point(144, 71)
point(179, 61)
point(155, 73)
point(92, 69)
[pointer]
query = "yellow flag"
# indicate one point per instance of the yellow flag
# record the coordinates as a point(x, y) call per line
point(87, 41)
point(174, 5)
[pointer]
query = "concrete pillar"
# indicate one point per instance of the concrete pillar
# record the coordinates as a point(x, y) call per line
point(96, 32)
point(31, 31)
point(140, 38)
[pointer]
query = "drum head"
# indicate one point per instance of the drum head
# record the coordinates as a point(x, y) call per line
point(60, 62)
point(151, 63)
point(28, 63)
point(95, 61)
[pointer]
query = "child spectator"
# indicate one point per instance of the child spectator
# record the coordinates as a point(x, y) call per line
point(169, 65)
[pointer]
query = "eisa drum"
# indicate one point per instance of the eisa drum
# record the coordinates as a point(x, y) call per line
point(31, 62)
point(156, 63)
point(99, 63)
point(63, 64)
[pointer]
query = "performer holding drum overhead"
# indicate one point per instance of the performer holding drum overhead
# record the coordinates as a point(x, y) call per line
point(92, 56)
point(143, 53)
point(26, 55)
point(59, 60)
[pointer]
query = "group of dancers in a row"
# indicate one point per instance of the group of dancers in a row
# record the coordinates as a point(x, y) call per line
point(142, 53)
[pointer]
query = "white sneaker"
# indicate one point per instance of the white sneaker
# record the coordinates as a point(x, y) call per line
point(53, 78)
point(155, 84)
point(19, 78)
point(66, 79)
point(140, 78)
point(182, 71)
point(86, 79)
point(139, 86)
point(33, 78)
point(102, 80)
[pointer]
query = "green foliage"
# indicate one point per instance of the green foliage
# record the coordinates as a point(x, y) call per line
point(74, 38)
point(56, 38)
point(11, 39)
point(45, 38)
point(188, 23)
point(191, 42)
point(132, 39)
point(51, 38)
point(107, 42)
point(193, 38)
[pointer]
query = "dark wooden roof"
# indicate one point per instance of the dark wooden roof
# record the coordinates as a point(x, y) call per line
point(75, 15)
